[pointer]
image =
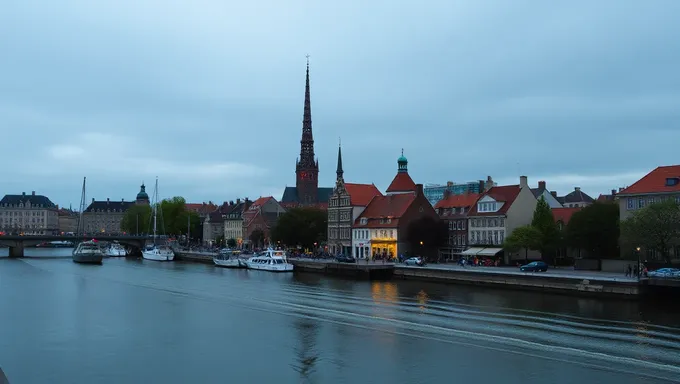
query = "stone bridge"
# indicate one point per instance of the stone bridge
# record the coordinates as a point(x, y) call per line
point(16, 244)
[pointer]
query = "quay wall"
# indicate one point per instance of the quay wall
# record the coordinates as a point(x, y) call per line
point(355, 270)
point(199, 257)
point(528, 281)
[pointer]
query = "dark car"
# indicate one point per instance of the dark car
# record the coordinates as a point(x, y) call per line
point(345, 259)
point(535, 266)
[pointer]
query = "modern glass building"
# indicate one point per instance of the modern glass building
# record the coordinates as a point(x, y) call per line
point(435, 192)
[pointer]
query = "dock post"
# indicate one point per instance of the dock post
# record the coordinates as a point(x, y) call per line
point(16, 251)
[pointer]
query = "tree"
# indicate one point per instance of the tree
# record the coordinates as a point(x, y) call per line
point(257, 238)
point(231, 243)
point(655, 227)
point(544, 222)
point(219, 240)
point(301, 226)
point(136, 219)
point(427, 234)
point(526, 237)
point(595, 229)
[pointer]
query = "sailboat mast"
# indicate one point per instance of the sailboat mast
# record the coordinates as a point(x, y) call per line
point(81, 224)
point(155, 211)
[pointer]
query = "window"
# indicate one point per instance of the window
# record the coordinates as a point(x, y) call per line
point(672, 181)
point(463, 224)
point(450, 225)
point(501, 237)
point(364, 221)
point(641, 202)
point(677, 199)
point(631, 203)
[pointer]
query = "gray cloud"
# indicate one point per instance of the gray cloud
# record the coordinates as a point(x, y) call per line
point(208, 95)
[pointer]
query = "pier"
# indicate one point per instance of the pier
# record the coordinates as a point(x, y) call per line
point(359, 270)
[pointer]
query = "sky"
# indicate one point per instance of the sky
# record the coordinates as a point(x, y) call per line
point(208, 95)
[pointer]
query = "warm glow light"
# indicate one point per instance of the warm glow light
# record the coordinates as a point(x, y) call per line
point(638, 249)
point(421, 243)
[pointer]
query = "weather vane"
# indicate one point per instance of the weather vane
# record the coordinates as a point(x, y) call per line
point(402, 151)
point(307, 56)
point(339, 142)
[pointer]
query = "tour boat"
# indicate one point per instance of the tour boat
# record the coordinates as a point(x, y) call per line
point(88, 252)
point(228, 259)
point(270, 260)
point(115, 250)
point(157, 252)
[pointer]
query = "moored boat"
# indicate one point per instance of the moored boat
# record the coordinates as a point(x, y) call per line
point(270, 260)
point(157, 252)
point(88, 252)
point(229, 259)
point(115, 250)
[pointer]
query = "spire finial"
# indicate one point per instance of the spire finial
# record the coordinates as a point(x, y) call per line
point(339, 142)
point(307, 56)
point(402, 151)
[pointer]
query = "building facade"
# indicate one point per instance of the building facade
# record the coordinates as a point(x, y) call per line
point(106, 216)
point(233, 222)
point(453, 209)
point(306, 191)
point(262, 215)
point(28, 215)
point(436, 192)
point(495, 215)
point(576, 199)
point(345, 204)
point(68, 221)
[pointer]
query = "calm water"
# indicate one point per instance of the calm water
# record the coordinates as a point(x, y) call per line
point(136, 321)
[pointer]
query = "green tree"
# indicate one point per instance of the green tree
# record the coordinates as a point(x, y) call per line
point(544, 222)
point(655, 227)
point(136, 219)
point(427, 234)
point(257, 237)
point(175, 219)
point(301, 226)
point(526, 237)
point(231, 243)
point(595, 229)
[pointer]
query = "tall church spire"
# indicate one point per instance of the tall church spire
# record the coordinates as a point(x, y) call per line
point(307, 142)
point(339, 171)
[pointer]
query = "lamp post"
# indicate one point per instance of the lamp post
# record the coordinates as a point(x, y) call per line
point(639, 272)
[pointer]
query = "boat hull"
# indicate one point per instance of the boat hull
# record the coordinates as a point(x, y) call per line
point(155, 256)
point(230, 263)
point(115, 253)
point(88, 258)
point(271, 268)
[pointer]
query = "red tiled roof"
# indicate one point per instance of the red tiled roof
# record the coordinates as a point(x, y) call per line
point(382, 207)
point(201, 208)
point(402, 182)
point(457, 201)
point(655, 181)
point(564, 214)
point(261, 201)
point(361, 194)
point(506, 194)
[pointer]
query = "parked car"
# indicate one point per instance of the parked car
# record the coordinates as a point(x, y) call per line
point(345, 259)
point(534, 266)
point(415, 261)
point(665, 272)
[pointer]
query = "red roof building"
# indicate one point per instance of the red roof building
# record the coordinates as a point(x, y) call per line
point(659, 184)
point(402, 182)
point(381, 229)
point(262, 215)
point(454, 209)
point(562, 215)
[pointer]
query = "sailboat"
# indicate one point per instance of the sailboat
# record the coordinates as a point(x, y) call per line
point(157, 252)
point(87, 252)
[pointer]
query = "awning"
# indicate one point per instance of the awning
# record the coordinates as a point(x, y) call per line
point(472, 251)
point(489, 251)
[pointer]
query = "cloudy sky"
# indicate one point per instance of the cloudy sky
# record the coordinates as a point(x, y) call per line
point(208, 95)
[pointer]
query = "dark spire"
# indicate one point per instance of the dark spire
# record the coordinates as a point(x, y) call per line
point(339, 171)
point(307, 142)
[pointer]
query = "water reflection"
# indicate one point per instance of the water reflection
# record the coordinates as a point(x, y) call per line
point(385, 292)
point(306, 353)
point(422, 300)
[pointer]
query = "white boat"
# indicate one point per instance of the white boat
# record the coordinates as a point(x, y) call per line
point(228, 259)
point(115, 250)
point(157, 252)
point(88, 252)
point(270, 260)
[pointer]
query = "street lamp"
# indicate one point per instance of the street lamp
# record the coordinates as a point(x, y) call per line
point(638, 264)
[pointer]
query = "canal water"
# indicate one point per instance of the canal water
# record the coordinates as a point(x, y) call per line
point(138, 321)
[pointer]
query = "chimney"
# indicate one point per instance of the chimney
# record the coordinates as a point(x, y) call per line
point(554, 194)
point(107, 200)
point(93, 199)
point(447, 193)
point(613, 192)
point(523, 182)
point(57, 206)
point(541, 185)
point(419, 189)
point(620, 189)
point(577, 189)
point(23, 193)
point(33, 193)
point(238, 201)
point(482, 189)
point(488, 184)
point(122, 200)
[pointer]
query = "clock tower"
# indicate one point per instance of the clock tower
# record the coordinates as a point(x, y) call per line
point(307, 166)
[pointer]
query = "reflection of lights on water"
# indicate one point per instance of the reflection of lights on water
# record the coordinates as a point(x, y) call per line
point(422, 299)
point(384, 292)
point(642, 333)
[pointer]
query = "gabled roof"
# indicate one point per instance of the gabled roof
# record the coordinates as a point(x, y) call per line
point(24, 198)
point(216, 217)
point(457, 201)
point(109, 206)
point(202, 208)
point(383, 207)
point(506, 194)
point(402, 182)
point(361, 194)
point(656, 181)
point(564, 214)
point(577, 196)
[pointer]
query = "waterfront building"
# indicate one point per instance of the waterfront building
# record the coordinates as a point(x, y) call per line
point(213, 227)
point(262, 215)
point(562, 217)
point(436, 192)
point(233, 222)
point(306, 191)
point(495, 215)
point(576, 198)
point(28, 215)
point(454, 209)
point(663, 183)
point(346, 203)
point(611, 197)
point(550, 197)
point(68, 220)
point(105, 216)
